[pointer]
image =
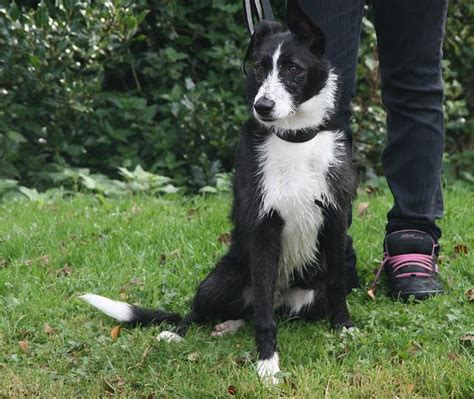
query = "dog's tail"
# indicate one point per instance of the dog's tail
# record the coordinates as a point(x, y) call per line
point(130, 314)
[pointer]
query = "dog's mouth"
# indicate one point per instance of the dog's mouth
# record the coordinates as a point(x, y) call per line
point(266, 118)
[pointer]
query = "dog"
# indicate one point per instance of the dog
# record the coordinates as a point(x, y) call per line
point(293, 188)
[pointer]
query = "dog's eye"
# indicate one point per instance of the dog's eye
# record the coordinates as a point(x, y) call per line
point(259, 68)
point(294, 68)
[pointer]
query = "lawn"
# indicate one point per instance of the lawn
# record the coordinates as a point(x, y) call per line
point(154, 251)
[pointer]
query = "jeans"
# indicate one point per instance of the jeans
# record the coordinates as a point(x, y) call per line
point(409, 39)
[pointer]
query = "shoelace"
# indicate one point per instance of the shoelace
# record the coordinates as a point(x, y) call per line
point(400, 261)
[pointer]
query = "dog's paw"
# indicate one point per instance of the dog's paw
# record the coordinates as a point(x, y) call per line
point(228, 327)
point(169, 336)
point(266, 369)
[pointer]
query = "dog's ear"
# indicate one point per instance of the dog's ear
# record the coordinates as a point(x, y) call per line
point(300, 24)
point(264, 29)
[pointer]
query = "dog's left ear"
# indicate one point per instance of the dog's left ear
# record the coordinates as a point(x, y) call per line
point(300, 24)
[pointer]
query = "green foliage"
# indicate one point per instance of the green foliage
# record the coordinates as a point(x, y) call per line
point(103, 85)
point(75, 181)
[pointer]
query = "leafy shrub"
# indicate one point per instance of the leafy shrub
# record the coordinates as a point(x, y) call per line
point(103, 85)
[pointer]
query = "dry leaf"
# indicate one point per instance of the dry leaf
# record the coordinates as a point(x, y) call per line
point(48, 329)
point(135, 209)
point(362, 208)
point(66, 270)
point(194, 356)
point(453, 356)
point(231, 390)
point(191, 213)
point(371, 294)
point(370, 189)
point(224, 238)
point(24, 346)
point(470, 295)
point(461, 249)
point(410, 388)
point(115, 332)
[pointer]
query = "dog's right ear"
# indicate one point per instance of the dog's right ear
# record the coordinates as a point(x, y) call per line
point(300, 24)
point(264, 29)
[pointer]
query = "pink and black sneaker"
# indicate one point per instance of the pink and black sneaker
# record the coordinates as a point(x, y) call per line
point(410, 264)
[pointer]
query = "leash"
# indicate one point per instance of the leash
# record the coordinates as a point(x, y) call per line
point(257, 10)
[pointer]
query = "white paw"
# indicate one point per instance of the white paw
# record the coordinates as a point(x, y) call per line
point(229, 326)
point(168, 336)
point(266, 369)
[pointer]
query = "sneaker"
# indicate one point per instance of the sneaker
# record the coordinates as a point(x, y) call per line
point(410, 264)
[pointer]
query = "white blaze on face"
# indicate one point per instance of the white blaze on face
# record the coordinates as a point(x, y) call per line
point(273, 89)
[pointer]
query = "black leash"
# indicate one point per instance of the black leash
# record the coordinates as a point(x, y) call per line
point(255, 11)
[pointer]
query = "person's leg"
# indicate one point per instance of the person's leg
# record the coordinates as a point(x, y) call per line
point(409, 37)
point(341, 22)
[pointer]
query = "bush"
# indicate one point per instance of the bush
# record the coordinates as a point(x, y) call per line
point(103, 85)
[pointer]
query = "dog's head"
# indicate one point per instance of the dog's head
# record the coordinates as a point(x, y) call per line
point(291, 86)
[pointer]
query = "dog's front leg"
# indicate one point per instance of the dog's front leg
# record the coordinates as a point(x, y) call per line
point(264, 257)
point(333, 244)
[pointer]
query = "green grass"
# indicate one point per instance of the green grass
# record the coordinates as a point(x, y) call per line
point(154, 252)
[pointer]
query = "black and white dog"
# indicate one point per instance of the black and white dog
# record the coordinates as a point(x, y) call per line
point(293, 187)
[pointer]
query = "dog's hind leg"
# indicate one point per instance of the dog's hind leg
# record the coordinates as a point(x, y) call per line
point(219, 296)
point(227, 327)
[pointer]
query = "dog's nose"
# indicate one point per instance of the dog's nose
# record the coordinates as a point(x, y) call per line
point(264, 106)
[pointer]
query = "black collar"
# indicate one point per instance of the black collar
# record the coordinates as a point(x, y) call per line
point(301, 136)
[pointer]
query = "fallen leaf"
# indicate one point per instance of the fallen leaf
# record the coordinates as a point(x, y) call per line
point(453, 356)
point(231, 390)
point(194, 356)
point(191, 213)
point(243, 359)
point(362, 208)
point(48, 329)
point(470, 295)
point(24, 346)
point(136, 281)
point(115, 332)
point(461, 249)
point(371, 294)
point(410, 388)
point(65, 271)
point(224, 238)
point(134, 209)
point(370, 189)
point(123, 295)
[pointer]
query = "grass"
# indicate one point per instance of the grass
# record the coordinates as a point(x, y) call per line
point(154, 252)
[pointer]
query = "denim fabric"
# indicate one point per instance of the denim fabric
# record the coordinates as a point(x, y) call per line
point(409, 36)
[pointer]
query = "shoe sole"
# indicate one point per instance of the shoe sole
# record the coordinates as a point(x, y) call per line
point(419, 295)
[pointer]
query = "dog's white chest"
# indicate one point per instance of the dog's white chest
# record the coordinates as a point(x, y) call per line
point(293, 177)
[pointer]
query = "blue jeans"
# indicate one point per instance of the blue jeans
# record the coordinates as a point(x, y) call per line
point(409, 37)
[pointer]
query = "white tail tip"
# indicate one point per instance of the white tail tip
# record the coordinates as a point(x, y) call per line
point(120, 311)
